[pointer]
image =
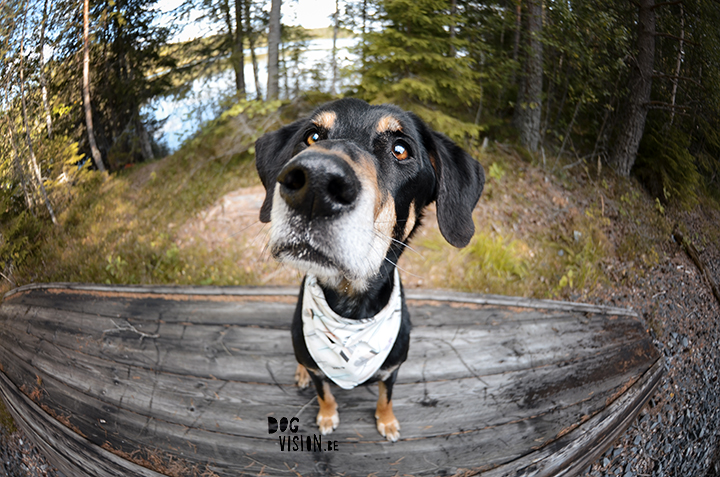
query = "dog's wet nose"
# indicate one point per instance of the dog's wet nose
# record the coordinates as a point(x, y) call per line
point(319, 185)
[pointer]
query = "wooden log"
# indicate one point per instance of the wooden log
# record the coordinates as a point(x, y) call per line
point(187, 377)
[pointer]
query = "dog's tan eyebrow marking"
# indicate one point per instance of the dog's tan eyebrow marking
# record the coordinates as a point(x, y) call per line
point(325, 119)
point(388, 124)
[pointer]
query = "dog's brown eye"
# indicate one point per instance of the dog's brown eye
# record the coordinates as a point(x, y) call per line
point(312, 138)
point(400, 151)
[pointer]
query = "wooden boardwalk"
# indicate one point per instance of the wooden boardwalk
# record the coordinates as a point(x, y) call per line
point(116, 381)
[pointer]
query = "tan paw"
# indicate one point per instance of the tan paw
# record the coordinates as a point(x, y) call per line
point(389, 428)
point(302, 377)
point(327, 422)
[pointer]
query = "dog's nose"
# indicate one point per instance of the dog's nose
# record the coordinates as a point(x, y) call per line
point(319, 185)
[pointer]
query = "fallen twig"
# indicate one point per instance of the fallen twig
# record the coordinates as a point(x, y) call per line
point(695, 257)
point(132, 329)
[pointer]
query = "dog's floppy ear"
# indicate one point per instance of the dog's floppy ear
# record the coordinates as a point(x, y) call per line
point(272, 151)
point(460, 181)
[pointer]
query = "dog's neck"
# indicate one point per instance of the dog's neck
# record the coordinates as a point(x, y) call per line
point(350, 303)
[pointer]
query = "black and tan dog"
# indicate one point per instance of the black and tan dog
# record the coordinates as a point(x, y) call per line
point(345, 191)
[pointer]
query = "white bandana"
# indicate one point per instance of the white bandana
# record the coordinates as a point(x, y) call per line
point(349, 351)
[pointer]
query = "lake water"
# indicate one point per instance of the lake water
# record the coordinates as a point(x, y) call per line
point(184, 115)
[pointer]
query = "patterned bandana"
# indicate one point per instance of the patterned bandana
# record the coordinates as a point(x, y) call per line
point(348, 351)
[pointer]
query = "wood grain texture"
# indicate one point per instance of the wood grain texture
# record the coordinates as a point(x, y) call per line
point(183, 379)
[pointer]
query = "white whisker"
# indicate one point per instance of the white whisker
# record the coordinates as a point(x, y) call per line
point(234, 234)
point(403, 270)
point(380, 234)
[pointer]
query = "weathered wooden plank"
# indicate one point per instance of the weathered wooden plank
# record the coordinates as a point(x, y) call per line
point(234, 351)
point(183, 399)
point(490, 381)
point(277, 292)
point(69, 452)
point(45, 432)
point(231, 454)
point(574, 452)
point(253, 310)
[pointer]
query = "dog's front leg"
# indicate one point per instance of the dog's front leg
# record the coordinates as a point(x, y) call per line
point(387, 424)
point(328, 417)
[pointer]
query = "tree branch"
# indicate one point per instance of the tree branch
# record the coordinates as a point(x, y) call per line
point(695, 257)
point(684, 78)
point(664, 105)
point(668, 35)
point(664, 4)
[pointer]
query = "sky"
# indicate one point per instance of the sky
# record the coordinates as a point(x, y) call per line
point(306, 13)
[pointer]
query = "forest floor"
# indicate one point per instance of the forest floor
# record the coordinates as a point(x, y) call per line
point(571, 232)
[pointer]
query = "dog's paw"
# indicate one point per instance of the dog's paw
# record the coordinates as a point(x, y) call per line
point(302, 377)
point(388, 427)
point(327, 422)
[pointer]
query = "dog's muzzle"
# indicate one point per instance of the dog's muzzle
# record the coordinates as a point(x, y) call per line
point(316, 184)
point(323, 219)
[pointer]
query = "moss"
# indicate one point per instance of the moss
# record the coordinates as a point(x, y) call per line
point(7, 424)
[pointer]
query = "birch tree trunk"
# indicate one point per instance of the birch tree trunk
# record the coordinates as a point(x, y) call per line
point(33, 160)
point(43, 80)
point(19, 170)
point(640, 86)
point(363, 60)
point(251, 42)
point(97, 157)
point(336, 26)
point(273, 87)
point(678, 64)
point(238, 53)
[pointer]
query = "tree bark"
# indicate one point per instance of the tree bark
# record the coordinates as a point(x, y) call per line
point(43, 80)
point(19, 170)
point(336, 27)
point(640, 86)
point(251, 42)
point(453, 24)
point(273, 86)
point(678, 64)
point(97, 157)
point(143, 137)
point(33, 160)
point(238, 52)
point(528, 108)
point(518, 30)
point(363, 60)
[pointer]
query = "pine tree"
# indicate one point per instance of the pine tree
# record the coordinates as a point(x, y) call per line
point(412, 61)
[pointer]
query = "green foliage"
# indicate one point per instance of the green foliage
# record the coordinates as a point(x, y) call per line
point(456, 129)
point(495, 263)
point(413, 62)
point(22, 237)
point(667, 167)
point(582, 247)
point(126, 69)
